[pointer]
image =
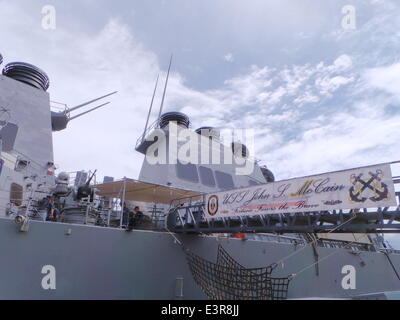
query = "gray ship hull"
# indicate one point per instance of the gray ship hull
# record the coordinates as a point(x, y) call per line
point(105, 263)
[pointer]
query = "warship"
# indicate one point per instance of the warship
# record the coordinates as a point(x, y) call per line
point(174, 252)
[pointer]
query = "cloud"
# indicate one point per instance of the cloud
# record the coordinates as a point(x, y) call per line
point(298, 105)
point(321, 99)
point(385, 78)
point(329, 85)
point(229, 57)
point(286, 104)
point(82, 66)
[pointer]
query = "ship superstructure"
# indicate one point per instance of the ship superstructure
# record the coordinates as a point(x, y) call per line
point(92, 255)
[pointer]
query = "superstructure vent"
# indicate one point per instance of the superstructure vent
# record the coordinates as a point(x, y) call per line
point(27, 73)
point(180, 118)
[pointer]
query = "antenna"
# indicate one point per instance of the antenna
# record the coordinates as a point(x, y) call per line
point(86, 112)
point(165, 88)
point(151, 107)
point(89, 102)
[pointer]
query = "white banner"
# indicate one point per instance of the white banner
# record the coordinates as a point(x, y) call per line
point(367, 187)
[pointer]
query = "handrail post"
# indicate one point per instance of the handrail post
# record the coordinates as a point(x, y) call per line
point(122, 203)
point(108, 217)
point(87, 211)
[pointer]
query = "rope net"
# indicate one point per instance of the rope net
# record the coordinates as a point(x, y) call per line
point(228, 280)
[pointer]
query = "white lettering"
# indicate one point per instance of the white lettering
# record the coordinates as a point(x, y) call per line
point(49, 19)
point(49, 280)
point(349, 280)
point(349, 21)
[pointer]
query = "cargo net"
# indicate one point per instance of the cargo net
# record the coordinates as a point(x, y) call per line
point(228, 280)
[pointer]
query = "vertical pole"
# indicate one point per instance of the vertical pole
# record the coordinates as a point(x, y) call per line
point(151, 107)
point(153, 213)
point(87, 210)
point(123, 202)
point(108, 217)
point(165, 89)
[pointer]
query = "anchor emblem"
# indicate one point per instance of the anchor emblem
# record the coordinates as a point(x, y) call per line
point(375, 184)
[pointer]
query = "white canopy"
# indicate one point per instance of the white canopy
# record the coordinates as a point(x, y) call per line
point(134, 190)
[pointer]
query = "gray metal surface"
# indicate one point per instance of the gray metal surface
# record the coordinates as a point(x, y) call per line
point(106, 263)
point(101, 263)
point(30, 111)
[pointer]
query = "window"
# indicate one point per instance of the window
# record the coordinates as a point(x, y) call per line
point(187, 172)
point(224, 180)
point(206, 176)
point(16, 194)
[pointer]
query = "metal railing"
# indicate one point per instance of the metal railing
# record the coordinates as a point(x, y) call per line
point(142, 138)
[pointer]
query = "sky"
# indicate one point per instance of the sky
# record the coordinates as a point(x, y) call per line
point(319, 97)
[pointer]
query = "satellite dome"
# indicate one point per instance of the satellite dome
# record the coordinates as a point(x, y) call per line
point(268, 175)
point(209, 132)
